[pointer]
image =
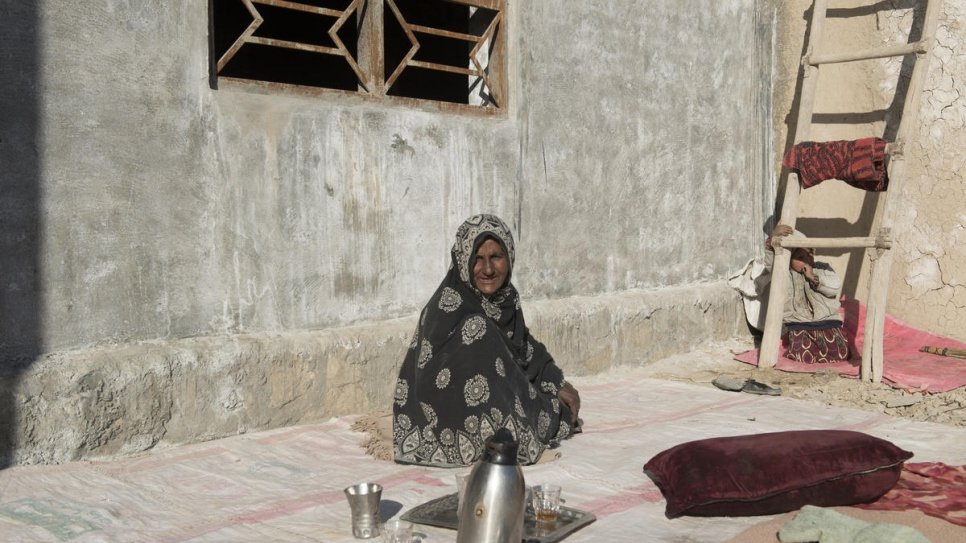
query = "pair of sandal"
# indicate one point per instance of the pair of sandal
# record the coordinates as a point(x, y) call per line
point(749, 385)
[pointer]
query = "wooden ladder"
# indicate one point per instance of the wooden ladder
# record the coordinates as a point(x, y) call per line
point(871, 369)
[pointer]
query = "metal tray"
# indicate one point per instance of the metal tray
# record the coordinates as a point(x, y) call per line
point(441, 512)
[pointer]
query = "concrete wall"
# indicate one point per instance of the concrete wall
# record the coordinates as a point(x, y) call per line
point(123, 399)
point(182, 263)
point(928, 285)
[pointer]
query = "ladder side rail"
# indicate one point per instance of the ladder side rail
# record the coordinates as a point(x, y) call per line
point(771, 337)
point(872, 358)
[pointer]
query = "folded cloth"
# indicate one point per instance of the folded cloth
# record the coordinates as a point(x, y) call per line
point(828, 526)
point(860, 163)
point(752, 283)
point(936, 530)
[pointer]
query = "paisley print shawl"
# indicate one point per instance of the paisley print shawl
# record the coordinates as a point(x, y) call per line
point(473, 368)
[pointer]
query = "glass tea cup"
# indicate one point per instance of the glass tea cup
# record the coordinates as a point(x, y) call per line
point(546, 502)
point(397, 531)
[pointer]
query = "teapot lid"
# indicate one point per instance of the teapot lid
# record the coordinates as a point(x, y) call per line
point(501, 448)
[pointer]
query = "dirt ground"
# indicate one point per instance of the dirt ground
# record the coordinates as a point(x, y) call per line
point(703, 365)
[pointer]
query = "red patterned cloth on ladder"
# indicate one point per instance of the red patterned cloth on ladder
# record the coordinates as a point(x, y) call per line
point(860, 163)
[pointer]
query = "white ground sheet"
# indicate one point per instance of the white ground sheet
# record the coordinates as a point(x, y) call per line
point(287, 484)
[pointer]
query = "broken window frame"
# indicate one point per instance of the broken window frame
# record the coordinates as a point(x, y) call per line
point(489, 75)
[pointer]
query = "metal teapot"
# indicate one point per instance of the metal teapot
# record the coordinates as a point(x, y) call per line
point(494, 500)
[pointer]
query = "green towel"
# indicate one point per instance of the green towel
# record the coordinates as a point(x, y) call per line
point(828, 526)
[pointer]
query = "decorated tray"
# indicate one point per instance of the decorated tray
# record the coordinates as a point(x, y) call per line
point(441, 512)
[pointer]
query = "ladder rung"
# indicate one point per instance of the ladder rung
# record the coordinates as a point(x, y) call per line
point(867, 54)
point(880, 242)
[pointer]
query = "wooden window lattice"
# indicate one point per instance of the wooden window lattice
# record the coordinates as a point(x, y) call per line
point(482, 36)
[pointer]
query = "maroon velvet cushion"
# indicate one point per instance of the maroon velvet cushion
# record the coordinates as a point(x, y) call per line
point(765, 474)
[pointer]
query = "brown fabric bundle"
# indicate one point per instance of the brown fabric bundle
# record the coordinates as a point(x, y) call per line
point(378, 429)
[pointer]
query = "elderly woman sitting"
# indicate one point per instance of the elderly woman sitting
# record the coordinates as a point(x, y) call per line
point(473, 367)
point(812, 330)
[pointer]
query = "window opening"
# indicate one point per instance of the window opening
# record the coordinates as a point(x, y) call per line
point(300, 43)
point(440, 50)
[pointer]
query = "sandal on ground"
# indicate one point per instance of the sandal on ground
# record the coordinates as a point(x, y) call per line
point(728, 383)
point(754, 387)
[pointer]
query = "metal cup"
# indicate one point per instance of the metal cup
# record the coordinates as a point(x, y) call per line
point(364, 503)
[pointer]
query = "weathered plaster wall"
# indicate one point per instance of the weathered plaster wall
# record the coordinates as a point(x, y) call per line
point(127, 398)
point(627, 115)
point(928, 281)
point(173, 210)
point(187, 246)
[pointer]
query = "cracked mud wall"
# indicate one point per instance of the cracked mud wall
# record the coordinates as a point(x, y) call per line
point(929, 280)
point(854, 100)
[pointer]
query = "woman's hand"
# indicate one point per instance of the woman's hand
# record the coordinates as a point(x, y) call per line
point(571, 398)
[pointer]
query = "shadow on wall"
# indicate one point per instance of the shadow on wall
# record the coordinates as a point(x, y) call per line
point(821, 228)
point(20, 140)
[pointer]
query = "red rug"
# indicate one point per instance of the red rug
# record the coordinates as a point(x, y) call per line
point(934, 488)
point(904, 366)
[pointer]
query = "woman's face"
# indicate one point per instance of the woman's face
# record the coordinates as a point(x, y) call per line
point(490, 269)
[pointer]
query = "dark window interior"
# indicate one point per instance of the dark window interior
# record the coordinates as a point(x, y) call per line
point(284, 65)
point(420, 82)
point(293, 29)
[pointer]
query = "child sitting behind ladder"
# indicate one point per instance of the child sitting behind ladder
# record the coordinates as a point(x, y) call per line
point(812, 330)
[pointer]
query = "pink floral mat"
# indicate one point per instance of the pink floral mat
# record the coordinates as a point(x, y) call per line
point(904, 365)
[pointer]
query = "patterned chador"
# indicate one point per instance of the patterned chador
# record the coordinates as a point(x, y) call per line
point(473, 368)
